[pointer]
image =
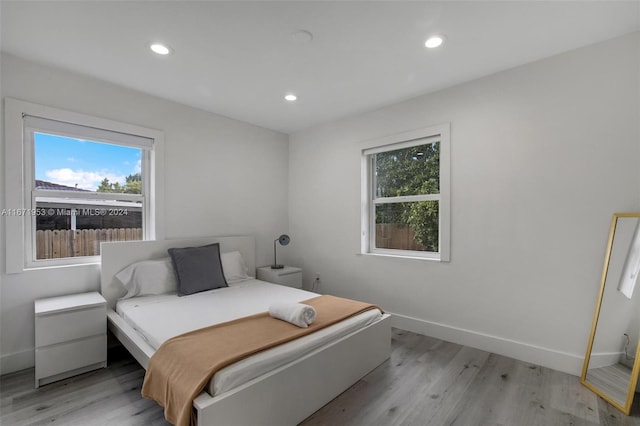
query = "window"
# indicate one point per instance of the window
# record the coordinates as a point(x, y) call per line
point(83, 181)
point(405, 194)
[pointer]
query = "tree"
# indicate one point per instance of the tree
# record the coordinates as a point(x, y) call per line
point(410, 171)
point(133, 185)
point(136, 177)
point(105, 186)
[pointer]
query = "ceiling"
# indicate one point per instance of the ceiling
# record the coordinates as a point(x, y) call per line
point(239, 58)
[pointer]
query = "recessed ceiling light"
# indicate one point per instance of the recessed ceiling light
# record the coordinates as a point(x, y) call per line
point(291, 97)
point(434, 41)
point(160, 48)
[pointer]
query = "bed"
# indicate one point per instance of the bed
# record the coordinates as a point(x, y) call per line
point(280, 392)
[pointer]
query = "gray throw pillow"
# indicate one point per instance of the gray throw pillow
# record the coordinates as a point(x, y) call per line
point(197, 268)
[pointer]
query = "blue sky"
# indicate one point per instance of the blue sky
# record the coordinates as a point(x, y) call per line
point(68, 161)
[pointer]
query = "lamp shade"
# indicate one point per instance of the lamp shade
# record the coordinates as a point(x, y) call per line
point(284, 239)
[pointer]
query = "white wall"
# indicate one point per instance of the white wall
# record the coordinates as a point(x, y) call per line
point(222, 177)
point(542, 155)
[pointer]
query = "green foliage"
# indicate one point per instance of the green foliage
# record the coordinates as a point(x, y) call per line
point(133, 185)
point(405, 172)
point(408, 171)
point(422, 217)
point(137, 177)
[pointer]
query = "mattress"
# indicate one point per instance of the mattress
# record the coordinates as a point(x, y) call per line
point(159, 318)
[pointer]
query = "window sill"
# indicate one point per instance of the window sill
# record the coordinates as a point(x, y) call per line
point(59, 266)
point(401, 256)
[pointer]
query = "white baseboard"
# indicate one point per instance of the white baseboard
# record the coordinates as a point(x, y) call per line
point(561, 361)
point(603, 359)
point(17, 361)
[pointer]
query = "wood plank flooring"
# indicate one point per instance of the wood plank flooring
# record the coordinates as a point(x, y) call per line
point(613, 379)
point(425, 382)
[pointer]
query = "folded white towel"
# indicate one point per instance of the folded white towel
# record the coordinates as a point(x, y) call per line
point(295, 313)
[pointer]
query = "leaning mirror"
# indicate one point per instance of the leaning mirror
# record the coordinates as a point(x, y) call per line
point(611, 363)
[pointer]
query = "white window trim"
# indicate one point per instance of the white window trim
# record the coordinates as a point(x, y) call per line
point(439, 133)
point(18, 185)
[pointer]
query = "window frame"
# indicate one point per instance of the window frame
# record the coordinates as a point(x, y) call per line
point(20, 178)
point(369, 200)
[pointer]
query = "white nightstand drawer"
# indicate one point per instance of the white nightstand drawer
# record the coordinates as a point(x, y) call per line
point(289, 275)
point(293, 279)
point(70, 337)
point(70, 325)
point(60, 358)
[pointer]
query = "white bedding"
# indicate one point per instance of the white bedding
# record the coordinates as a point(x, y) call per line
point(158, 318)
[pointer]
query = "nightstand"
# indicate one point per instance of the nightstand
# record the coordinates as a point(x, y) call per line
point(71, 336)
point(289, 275)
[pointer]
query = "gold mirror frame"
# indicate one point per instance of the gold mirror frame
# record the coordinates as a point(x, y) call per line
point(623, 403)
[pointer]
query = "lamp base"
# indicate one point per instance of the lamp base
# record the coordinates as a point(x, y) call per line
point(277, 266)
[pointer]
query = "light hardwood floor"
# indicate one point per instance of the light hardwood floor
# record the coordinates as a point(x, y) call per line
point(425, 382)
point(613, 379)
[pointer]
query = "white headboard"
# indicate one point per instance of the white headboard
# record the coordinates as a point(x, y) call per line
point(117, 255)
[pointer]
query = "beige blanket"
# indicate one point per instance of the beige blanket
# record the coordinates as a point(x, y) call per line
point(182, 366)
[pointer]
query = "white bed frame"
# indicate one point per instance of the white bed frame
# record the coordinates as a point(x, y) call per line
point(284, 396)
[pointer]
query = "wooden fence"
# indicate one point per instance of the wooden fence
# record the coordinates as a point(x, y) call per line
point(399, 237)
point(54, 244)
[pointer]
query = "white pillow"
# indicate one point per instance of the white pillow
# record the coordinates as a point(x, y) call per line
point(233, 267)
point(148, 277)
